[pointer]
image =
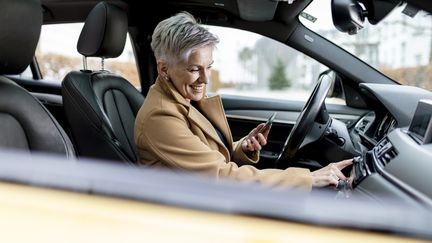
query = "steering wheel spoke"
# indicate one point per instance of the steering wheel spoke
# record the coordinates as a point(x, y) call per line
point(317, 131)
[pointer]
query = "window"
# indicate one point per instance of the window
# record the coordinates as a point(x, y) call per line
point(57, 55)
point(399, 46)
point(248, 64)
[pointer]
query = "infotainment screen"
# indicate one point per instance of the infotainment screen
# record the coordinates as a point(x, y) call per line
point(421, 124)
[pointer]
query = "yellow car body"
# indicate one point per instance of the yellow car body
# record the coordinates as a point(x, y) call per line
point(33, 214)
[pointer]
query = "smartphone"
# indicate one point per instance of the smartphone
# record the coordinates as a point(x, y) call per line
point(266, 125)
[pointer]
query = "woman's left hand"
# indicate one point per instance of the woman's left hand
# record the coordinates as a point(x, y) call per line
point(331, 174)
point(256, 140)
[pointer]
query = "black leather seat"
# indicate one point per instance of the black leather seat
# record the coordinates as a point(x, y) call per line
point(25, 124)
point(101, 106)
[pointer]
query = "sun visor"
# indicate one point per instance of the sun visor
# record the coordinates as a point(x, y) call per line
point(257, 10)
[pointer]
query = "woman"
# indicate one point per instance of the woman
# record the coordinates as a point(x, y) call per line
point(179, 127)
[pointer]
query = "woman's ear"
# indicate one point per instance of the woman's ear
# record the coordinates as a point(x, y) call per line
point(162, 68)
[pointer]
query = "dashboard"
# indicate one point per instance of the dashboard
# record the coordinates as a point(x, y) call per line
point(394, 163)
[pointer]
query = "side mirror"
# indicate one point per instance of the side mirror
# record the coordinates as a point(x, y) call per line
point(348, 15)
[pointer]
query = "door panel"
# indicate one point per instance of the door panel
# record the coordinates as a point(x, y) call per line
point(245, 113)
point(242, 125)
point(39, 86)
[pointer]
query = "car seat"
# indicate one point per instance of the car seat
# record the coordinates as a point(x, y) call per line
point(101, 106)
point(25, 124)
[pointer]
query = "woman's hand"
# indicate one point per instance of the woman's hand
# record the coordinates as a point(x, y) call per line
point(330, 175)
point(256, 140)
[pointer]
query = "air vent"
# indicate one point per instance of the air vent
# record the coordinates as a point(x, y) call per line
point(365, 122)
point(362, 125)
point(385, 152)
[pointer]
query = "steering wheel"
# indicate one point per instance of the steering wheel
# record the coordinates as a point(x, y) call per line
point(312, 121)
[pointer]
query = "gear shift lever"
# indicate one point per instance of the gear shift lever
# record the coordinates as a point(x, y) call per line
point(344, 189)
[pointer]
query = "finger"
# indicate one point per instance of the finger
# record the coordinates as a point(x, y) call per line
point(250, 146)
point(344, 163)
point(333, 181)
point(255, 130)
point(267, 131)
point(244, 145)
point(261, 139)
point(334, 170)
point(256, 144)
point(339, 174)
point(260, 126)
point(324, 180)
point(331, 177)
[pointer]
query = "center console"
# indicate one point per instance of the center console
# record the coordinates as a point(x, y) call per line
point(372, 161)
point(398, 166)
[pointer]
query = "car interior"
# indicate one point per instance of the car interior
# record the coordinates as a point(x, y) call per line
point(91, 113)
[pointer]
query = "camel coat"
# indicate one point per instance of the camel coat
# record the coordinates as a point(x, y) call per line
point(171, 133)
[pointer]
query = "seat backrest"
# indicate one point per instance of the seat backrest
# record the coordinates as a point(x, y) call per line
point(101, 106)
point(25, 124)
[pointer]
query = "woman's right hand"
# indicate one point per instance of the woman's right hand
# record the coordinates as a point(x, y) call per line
point(330, 175)
point(255, 140)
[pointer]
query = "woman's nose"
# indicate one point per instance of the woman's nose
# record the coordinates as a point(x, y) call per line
point(204, 76)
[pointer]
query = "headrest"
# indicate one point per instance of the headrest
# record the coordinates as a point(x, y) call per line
point(20, 25)
point(104, 32)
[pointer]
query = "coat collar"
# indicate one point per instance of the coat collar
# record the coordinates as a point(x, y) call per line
point(169, 89)
point(210, 113)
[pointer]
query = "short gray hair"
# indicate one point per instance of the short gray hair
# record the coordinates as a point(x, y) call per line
point(174, 38)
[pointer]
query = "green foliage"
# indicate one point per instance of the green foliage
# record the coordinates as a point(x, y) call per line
point(245, 55)
point(278, 79)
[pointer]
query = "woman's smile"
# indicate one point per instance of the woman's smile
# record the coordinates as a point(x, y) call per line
point(197, 88)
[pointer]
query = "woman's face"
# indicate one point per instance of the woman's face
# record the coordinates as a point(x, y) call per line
point(190, 76)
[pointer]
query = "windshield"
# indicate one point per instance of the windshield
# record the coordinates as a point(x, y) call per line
point(399, 46)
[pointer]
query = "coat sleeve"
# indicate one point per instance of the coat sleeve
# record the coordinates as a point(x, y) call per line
point(242, 158)
point(167, 135)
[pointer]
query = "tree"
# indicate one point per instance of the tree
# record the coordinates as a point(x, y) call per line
point(245, 56)
point(278, 79)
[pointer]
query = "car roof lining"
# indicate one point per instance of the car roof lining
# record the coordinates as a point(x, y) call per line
point(72, 11)
point(146, 18)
